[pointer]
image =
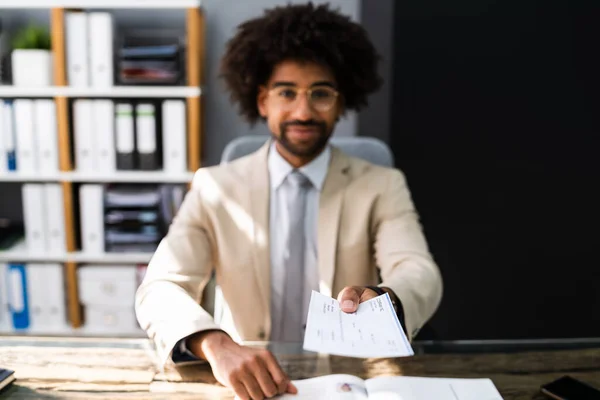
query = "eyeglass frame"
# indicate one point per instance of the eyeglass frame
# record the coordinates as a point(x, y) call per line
point(307, 91)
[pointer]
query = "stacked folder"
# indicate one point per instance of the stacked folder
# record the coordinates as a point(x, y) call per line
point(32, 298)
point(129, 135)
point(107, 294)
point(124, 218)
point(28, 136)
point(142, 57)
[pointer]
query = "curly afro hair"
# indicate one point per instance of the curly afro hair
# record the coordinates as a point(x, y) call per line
point(306, 33)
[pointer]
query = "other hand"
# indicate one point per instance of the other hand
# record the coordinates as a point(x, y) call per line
point(251, 373)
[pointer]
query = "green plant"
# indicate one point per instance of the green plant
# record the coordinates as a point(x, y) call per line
point(32, 37)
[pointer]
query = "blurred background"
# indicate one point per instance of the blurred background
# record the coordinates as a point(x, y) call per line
point(490, 108)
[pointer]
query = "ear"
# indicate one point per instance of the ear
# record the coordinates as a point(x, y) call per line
point(261, 101)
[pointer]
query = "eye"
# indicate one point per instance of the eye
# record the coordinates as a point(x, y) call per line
point(321, 94)
point(287, 94)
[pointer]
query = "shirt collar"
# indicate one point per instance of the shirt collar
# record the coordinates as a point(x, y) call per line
point(315, 171)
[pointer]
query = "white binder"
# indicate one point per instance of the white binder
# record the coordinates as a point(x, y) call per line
point(5, 318)
point(104, 135)
point(46, 133)
point(174, 136)
point(83, 133)
point(92, 218)
point(55, 218)
point(47, 308)
point(101, 48)
point(27, 157)
point(8, 132)
point(77, 48)
point(34, 218)
point(3, 162)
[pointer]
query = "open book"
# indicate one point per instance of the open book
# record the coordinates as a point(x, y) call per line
point(349, 387)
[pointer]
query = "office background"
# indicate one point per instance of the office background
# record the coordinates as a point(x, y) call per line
point(491, 110)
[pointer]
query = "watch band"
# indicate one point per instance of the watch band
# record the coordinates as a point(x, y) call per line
point(376, 289)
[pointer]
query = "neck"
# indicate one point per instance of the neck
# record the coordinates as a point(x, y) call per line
point(294, 160)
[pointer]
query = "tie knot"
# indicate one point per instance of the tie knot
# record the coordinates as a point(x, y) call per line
point(298, 179)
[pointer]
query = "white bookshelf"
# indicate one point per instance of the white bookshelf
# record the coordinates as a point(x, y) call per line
point(104, 4)
point(8, 91)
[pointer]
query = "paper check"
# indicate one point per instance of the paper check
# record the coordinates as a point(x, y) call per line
point(372, 331)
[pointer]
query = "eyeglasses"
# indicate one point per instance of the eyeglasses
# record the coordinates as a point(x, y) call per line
point(321, 98)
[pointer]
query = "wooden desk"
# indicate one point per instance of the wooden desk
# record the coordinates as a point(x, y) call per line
point(126, 369)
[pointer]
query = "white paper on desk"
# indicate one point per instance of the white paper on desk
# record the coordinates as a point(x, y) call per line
point(372, 331)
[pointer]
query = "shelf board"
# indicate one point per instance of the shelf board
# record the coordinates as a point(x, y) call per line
point(20, 177)
point(103, 4)
point(77, 257)
point(19, 253)
point(110, 258)
point(8, 91)
point(116, 177)
point(129, 176)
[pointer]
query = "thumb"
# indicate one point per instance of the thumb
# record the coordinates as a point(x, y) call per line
point(349, 298)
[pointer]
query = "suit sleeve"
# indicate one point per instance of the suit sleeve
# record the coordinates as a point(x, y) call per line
point(167, 302)
point(402, 254)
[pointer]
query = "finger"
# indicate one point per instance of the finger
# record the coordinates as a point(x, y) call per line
point(368, 294)
point(291, 388)
point(252, 387)
point(265, 380)
point(239, 389)
point(279, 377)
point(349, 298)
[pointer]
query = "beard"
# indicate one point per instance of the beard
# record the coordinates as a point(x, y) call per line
point(309, 149)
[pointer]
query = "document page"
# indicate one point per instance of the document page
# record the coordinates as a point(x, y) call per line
point(329, 387)
point(417, 388)
point(372, 331)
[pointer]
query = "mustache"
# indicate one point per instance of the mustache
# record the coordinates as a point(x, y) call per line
point(310, 122)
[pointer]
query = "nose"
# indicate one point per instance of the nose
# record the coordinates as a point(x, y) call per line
point(302, 109)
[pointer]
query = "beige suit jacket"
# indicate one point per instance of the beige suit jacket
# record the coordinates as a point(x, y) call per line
point(366, 221)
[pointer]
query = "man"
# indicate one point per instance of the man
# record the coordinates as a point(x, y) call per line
point(297, 215)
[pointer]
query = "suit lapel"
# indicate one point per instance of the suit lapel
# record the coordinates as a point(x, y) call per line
point(330, 208)
point(259, 208)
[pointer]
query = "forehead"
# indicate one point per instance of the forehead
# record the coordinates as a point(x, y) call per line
point(302, 74)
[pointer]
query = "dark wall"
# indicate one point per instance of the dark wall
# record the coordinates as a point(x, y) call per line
point(495, 122)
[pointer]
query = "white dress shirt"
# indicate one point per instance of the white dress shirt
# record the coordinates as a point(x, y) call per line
point(279, 169)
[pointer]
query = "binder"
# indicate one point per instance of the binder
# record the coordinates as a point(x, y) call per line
point(104, 134)
point(3, 162)
point(5, 317)
point(77, 48)
point(125, 139)
point(25, 135)
point(18, 301)
point(174, 143)
point(55, 218)
point(83, 133)
point(92, 218)
point(101, 48)
point(34, 217)
point(145, 116)
point(9, 135)
point(46, 133)
point(46, 297)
